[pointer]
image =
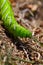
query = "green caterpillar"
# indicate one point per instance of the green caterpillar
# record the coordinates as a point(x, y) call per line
point(9, 21)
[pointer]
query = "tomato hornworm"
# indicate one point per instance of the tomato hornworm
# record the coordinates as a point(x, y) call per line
point(10, 22)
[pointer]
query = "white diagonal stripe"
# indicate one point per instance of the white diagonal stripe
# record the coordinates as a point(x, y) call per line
point(3, 4)
point(4, 10)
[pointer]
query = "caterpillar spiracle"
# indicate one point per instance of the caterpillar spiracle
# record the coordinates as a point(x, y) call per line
point(10, 22)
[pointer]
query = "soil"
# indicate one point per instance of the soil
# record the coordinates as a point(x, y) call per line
point(30, 15)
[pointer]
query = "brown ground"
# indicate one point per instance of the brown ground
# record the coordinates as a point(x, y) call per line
point(30, 15)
